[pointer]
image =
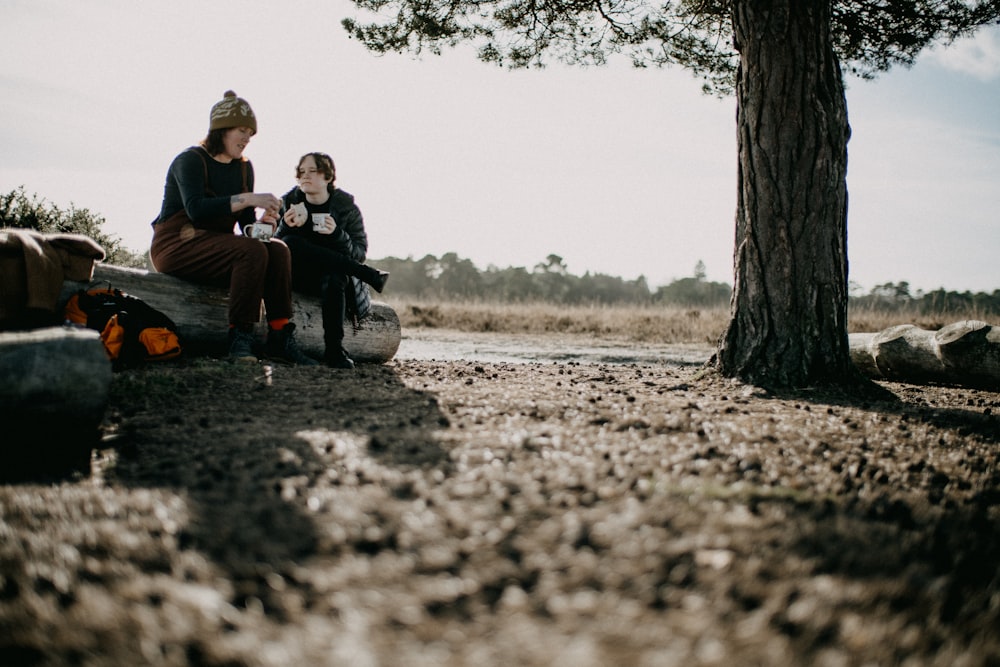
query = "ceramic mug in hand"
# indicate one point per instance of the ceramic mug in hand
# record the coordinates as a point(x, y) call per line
point(259, 230)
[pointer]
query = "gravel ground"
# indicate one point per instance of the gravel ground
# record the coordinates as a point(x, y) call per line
point(446, 513)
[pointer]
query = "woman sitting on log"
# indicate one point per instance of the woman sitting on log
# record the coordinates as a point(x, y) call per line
point(325, 232)
point(208, 189)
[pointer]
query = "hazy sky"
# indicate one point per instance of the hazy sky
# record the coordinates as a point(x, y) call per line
point(618, 171)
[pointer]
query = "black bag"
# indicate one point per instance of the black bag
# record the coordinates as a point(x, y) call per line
point(133, 332)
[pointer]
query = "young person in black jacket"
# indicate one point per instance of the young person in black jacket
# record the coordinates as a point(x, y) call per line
point(325, 232)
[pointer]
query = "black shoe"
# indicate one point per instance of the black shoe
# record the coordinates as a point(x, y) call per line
point(241, 346)
point(282, 346)
point(336, 357)
point(379, 280)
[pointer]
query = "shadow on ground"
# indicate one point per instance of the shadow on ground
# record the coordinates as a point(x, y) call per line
point(265, 441)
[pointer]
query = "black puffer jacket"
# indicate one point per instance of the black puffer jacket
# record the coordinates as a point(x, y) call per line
point(349, 238)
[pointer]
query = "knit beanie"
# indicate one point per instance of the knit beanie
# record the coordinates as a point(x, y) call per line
point(232, 111)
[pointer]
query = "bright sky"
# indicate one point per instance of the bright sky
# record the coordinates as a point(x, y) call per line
point(618, 171)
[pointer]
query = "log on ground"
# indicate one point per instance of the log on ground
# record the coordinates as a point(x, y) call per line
point(965, 353)
point(200, 313)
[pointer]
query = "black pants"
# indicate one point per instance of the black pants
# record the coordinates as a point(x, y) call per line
point(322, 272)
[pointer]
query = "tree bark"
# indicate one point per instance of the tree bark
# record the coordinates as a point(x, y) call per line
point(788, 324)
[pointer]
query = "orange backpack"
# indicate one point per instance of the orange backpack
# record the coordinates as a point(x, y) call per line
point(133, 332)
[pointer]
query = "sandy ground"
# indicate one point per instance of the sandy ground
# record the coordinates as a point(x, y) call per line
point(444, 512)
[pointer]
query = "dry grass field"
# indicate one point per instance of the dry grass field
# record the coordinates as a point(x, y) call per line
point(642, 324)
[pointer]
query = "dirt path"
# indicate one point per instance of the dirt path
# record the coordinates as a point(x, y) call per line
point(490, 513)
point(447, 345)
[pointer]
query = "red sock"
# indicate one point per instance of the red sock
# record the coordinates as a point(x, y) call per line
point(278, 324)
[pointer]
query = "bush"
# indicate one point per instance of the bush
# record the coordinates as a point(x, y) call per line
point(19, 210)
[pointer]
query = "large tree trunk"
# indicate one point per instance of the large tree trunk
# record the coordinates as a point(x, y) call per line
point(788, 324)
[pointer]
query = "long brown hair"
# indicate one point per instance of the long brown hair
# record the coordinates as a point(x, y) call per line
point(212, 142)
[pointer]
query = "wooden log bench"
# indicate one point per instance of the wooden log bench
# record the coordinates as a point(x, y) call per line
point(200, 313)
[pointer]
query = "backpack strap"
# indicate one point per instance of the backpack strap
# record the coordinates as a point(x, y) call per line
point(201, 152)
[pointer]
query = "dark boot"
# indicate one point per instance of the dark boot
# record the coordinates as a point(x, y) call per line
point(336, 357)
point(282, 346)
point(377, 279)
point(333, 322)
point(241, 344)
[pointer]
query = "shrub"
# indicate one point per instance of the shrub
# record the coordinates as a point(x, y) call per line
point(19, 210)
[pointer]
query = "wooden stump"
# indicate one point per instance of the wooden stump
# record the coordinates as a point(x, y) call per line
point(200, 313)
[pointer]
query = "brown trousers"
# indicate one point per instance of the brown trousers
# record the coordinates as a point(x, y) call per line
point(251, 269)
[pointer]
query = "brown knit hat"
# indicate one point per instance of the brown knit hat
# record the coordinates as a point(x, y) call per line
point(232, 111)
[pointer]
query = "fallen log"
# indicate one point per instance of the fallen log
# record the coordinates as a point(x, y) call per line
point(965, 353)
point(199, 312)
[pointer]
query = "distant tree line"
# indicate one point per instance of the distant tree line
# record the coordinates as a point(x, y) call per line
point(450, 277)
point(897, 296)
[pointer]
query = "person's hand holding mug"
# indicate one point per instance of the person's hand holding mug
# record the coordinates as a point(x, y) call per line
point(322, 223)
point(265, 226)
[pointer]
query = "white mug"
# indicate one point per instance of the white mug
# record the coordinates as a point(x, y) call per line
point(319, 221)
point(262, 231)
